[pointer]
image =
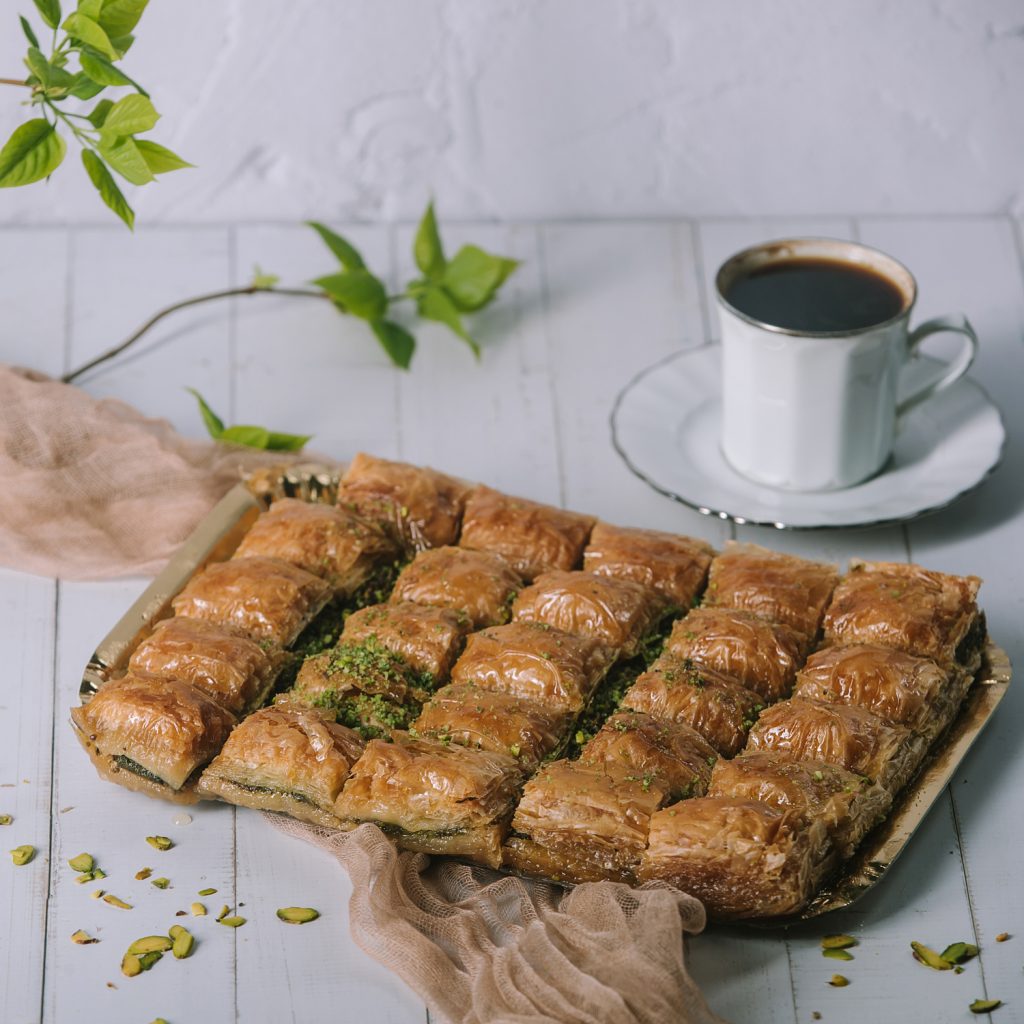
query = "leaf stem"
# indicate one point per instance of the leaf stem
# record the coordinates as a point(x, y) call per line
point(196, 300)
point(14, 81)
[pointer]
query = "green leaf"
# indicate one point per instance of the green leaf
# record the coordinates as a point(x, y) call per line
point(214, 424)
point(473, 277)
point(87, 31)
point(98, 114)
point(124, 157)
point(107, 187)
point(435, 304)
point(357, 291)
point(27, 29)
point(250, 437)
point(122, 43)
point(159, 159)
point(49, 11)
point(84, 88)
point(427, 249)
point(90, 8)
point(347, 253)
point(52, 78)
point(100, 70)
point(119, 17)
point(262, 280)
point(279, 442)
point(33, 151)
point(395, 340)
point(130, 115)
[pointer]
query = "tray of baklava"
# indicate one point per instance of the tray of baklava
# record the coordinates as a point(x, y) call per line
point(541, 692)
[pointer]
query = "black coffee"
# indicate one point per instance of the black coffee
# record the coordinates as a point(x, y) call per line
point(816, 295)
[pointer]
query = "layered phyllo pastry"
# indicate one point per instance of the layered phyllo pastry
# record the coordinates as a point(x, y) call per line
point(762, 655)
point(265, 598)
point(426, 638)
point(849, 805)
point(289, 759)
point(533, 538)
point(152, 735)
point(714, 704)
point(582, 823)
point(480, 585)
point(434, 797)
point(673, 565)
point(419, 507)
point(930, 614)
point(778, 587)
point(332, 543)
point(619, 613)
point(901, 688)
point(236, 671)
point(672, 754)
point(850, 737)
point(536, 662)
point(471, 716)
point(740, 858)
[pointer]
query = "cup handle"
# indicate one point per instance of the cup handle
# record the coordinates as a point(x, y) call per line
point(955, 323)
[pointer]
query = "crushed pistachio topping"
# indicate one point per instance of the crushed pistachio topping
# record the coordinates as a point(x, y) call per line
point(207, 892)
point(224, 911)
point(183, 943)
point(985, 1005)
point(115, 902)
point(231, 922)
point(130, 965)
point(96, 894)
point(298, 915)
point(959, 952)
point(141, 876)
point(836, 954)
point(839, 981)
point(21, 855)
point(150, 944)
point(83, 862)
point(81, 938)
point(838, 942)
point(928, 957)
point(1002, 936)
point(148, 959)
point(159, 842)
point(161, 883)
point(6, 819)
point(198, 910)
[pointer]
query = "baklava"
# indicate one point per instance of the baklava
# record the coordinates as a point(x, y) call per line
point(289, 759)
point(533, 538)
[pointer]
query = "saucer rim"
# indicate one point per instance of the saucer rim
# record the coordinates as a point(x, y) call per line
point(742, 520)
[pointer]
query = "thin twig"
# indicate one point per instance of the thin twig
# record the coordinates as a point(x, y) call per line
point(14, 81)
point(184, 304)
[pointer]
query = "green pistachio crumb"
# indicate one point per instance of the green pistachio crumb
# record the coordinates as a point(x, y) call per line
point(21, 855)
point(159, 842)
point(161, 883)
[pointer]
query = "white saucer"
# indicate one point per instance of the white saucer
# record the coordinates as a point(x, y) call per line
point(665, 425)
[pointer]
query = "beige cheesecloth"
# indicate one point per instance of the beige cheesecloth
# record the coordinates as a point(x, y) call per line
point(95, 489)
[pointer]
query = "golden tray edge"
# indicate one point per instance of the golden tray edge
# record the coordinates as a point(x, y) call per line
point(221, 531)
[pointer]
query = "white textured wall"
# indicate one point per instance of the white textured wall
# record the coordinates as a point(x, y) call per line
point(356, 109)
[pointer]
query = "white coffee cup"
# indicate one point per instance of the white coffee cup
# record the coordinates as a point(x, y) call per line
point(817, 411)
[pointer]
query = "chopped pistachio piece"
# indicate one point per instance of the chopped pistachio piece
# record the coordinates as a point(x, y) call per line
point(81, 938)
point(83, 862)
point(207, 892)
point(175, 930)
point(6, 819)
point(837, 954)
point(198, 910)
point(161, 883)
point(183, 943)
point(298, 915)
point(141, 876)
point(958, 969)
point(838, 981)
point(115, 902)
point(838, 942)
point(89, 876)
point(224, 911)
point(22, 854)
point(159, 842)
point(985, 1005)
point(158, 1020)
point(98, 873)
point(148, 959)
point(231, 922)
point(130, 965)
point(1002, 936)
point(959, 952)
point(96, 893)
point(150, 944)
point(928, 957)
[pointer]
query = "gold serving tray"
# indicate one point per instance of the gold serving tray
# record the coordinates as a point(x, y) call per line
point(217, 536)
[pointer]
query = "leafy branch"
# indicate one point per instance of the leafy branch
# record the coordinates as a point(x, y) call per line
point(84, 51)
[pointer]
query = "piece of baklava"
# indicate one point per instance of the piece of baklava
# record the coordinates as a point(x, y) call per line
point(901, 688)
point(779, 587)
point(264, 598)
point(471, 716)
point(674, 565)
point(476, 583)
point(620, 613)
point(418, 506)
point(582, 823)
point(152, 735)
point(740, 858)
point(289, 759)
point(764, 656)
point(533, 538)
point(434, 797)
point(848, 804)
point(534, 661)
point(930, 614)
point(236, 671)
point(332, 543)
point(428, 639)
point(650, 749)
point(851, 737)
point(718, 707)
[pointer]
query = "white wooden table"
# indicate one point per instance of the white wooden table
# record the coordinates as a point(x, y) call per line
point(592, 304)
